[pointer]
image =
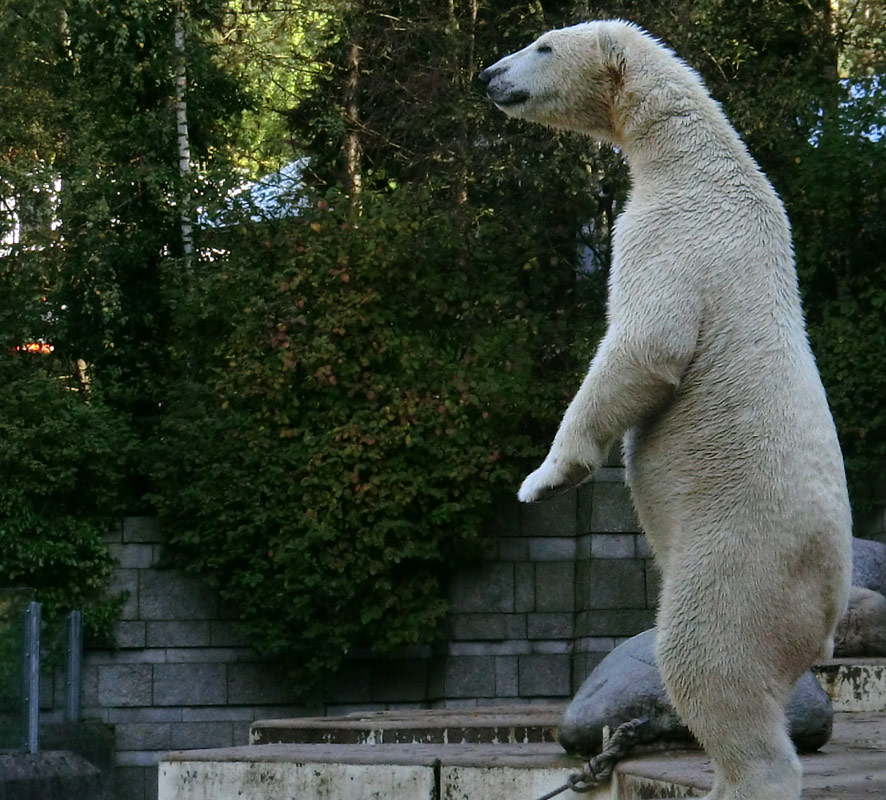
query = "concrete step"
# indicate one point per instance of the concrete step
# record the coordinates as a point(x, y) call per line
point(851, 767)
point(854, 684)
point(484, 725)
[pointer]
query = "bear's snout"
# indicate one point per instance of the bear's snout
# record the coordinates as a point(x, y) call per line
point(501, 92)
point(489, 73)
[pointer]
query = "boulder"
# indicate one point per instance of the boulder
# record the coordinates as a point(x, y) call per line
point(627, 684)
point(862, 631)
point(869, 565)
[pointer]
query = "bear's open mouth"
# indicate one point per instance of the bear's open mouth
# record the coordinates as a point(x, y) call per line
point(510, 99)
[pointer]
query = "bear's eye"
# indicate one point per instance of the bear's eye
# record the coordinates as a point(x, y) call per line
point(544, 48)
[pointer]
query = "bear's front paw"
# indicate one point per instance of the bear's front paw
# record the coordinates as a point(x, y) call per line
point(551, 479)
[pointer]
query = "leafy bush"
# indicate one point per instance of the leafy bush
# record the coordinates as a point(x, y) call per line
point(356, 392)
point(60, 468)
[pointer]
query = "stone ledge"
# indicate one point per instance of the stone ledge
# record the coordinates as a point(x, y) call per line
point(851, 766)
point(490, 725)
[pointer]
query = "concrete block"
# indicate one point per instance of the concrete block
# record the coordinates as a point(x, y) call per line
point(643, 548)
point(89, 685)
point(170, 595)
point(151, 714)
point(552, 549)
point(223, 774)
point(151, 784)
point(516, 626)
point(554, 646)
point(138, 758)
point(352, 684)
point(240, 732)
point(125, 684)
point(507, 676)
point(114, 533)
point(141, 529)
point(555, 586)
point(505, 518)
point(513, 647)
point(399, 681)
point(219, 714)
point(209, 655)
point(549, 626)
point(483, 588)
point(513, 548)
point(469, 676)
point(143, 736)
point(130, 634)
point(545, 675)
point(190, 684)
point(199, 735)
point(132, 556)
point(129, 783)
point(613, 622)
point(467, 627)
point(147, 655)
point(257, 683)
point(554, 517)
point(227, 633)
point(178, 633)
point(612, 583)
point(612, 511)
point(125, 581)
point(524, 587)
point(613, 545)
point(495, 781)
point(595, 644)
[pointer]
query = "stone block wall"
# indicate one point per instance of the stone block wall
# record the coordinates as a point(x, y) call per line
point(563, 583)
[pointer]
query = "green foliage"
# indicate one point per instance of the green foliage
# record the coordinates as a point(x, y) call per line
point(837, 203)
point(60, 469)
point(356, 393)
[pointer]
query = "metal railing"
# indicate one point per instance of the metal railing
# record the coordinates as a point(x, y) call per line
point(20, 669)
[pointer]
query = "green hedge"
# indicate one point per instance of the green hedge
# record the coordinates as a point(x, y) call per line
point(356, 391)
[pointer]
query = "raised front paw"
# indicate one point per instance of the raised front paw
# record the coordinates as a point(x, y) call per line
point(552, 478)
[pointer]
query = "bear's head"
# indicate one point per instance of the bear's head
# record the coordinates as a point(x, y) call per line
point(601, 78)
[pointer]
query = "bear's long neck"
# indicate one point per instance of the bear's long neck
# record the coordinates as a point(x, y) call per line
point(674, 131)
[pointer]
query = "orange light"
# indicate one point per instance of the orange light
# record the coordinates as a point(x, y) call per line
point(35, 347)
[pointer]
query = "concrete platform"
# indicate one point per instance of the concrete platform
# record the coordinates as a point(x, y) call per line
point(851, 767)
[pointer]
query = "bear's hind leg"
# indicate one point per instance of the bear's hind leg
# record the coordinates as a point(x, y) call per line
point(737, 719)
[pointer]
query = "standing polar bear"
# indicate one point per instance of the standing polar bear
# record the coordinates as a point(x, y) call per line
point(731, 452)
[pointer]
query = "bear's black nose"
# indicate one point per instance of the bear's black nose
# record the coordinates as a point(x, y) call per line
point(487, 75)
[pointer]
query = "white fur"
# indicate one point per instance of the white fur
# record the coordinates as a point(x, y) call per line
point(731, 452)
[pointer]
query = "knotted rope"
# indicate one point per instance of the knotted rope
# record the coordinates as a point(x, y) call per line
point(599, 769)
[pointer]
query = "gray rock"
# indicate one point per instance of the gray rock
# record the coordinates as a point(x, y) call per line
point(862, 631)
point(869, 565)
point(627, 685)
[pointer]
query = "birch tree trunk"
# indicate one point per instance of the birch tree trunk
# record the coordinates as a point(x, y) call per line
point(181, 121)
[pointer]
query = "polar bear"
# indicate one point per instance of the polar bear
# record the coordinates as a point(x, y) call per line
point(731, 452)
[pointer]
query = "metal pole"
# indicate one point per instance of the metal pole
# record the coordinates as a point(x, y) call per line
point(74, 664)
point(32, 674)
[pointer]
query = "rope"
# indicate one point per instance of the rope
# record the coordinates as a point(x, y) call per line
point(599, 769)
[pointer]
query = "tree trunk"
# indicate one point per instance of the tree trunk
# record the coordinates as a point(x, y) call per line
point(181, 120)
point(353, 150)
